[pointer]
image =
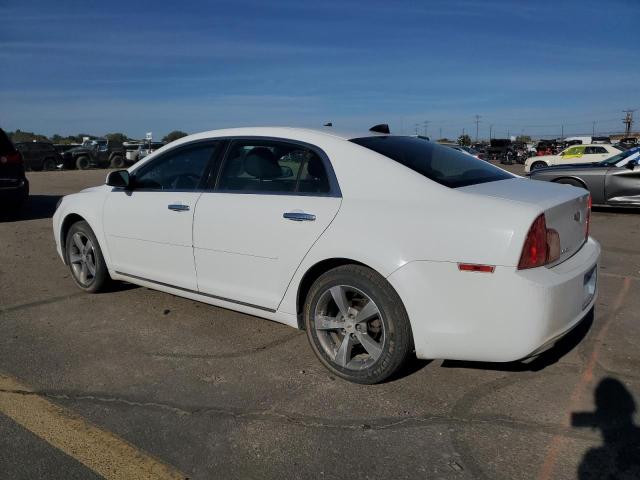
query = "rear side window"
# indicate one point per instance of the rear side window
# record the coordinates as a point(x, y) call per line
point(441, 164)
point(273, 166)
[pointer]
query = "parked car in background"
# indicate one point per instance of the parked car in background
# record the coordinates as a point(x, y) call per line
point(614, 181)
point(14, 186)
point(498, 148)
point(136, 152)
point(464, 149)
point(101, 153)
point(361, 239)
point(573, 154)
point(63, 147)
point(39, 155)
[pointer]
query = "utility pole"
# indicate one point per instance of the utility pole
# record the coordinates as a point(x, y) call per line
point(426, 127)
point(440, 133)
point(628, 121)
point(477, 117)
point(593, 129)
point(562, 132)
point(490, 132)
point(417, 125)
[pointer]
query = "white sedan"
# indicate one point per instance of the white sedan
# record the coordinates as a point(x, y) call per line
point(573, 154)
point(377, 245)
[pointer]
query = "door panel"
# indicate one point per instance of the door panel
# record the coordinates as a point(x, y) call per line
point(149, 230)
point(246, 251)
point(147, 239)
point(622, 186)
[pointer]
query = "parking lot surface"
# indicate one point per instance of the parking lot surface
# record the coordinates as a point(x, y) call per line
point(135, 383)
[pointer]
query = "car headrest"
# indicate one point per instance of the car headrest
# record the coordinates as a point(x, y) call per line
point(315, 167)
point(261, 163)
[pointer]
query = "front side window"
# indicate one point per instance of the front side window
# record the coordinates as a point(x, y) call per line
point(181, 169)
point(443, 165)
point(272, 166)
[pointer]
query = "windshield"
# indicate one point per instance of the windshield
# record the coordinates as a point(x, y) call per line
point(621, 156)
point(441, 164)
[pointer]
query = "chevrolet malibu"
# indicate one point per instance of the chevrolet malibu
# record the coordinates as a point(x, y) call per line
point(377, 245)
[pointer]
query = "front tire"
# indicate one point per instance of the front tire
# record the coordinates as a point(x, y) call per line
point(536, 165)
point(117, 162)
point(82, 163)
point(357, 325)
point(85, 260)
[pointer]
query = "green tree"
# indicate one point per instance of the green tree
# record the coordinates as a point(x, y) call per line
point(523, 138)
point(175, 135)
point(20, 136)
point(116, 137)
point(464, 140)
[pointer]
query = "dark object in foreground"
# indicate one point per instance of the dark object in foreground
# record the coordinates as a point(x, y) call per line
point(14, 186)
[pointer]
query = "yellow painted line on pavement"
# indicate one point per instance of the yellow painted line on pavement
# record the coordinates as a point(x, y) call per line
point(99, 450)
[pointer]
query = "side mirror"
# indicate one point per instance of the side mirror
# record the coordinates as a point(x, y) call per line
point(632, 164)
point(286, 172)
point(119, 179)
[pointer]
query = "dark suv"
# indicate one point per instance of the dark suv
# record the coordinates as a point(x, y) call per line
point(39, 155)
point(101, 153)
point(14, 186)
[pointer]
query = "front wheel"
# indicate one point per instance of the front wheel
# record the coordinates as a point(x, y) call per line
point(85, 259)
point(536, 165)
point(117, 162)
point(82, 163)
point(357, 325)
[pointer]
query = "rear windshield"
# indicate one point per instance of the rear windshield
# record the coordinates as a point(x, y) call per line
point(444, 165)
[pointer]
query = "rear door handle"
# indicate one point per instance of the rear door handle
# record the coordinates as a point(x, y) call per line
point(299, 216)
point(178, 207)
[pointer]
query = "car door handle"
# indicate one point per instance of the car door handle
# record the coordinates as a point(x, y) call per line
point(178, 207)
point(299, 216)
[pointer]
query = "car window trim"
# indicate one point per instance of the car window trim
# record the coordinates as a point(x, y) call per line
point(183, 146)
point(334, 187)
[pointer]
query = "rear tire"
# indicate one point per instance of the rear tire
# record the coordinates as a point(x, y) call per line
point(357, 325)
point(49, 164)
point(82, 163)
point(84, 257)
point(536, 165)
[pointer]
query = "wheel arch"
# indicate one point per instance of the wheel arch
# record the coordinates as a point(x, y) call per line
point(66, 224)
point(575, 179)
point(312, 274)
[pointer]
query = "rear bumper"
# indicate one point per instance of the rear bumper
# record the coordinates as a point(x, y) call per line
point(500, 317)
point(14, 189)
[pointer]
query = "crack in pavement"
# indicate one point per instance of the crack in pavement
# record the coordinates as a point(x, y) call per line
point(241, 353)
point(37, 303)
point(354, 424)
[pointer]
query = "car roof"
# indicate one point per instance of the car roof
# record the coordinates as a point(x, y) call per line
point(345, 134)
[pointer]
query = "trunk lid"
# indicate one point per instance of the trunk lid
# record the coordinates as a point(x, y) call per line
point(565, 207)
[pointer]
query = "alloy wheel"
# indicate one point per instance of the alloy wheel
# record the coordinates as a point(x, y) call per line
point(349, 327)
point(82, 257)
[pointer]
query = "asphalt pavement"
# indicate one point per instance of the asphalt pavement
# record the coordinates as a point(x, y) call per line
point(135, 383)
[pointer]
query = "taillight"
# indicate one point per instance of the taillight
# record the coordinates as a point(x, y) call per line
point(542, 245)
point(11, 158)
point(587, 225)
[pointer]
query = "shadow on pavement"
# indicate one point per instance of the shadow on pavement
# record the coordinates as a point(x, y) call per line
point(542, 361)
point(36, 207)
point(619, 455)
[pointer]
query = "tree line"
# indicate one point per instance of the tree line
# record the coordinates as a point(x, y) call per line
point(118, 137)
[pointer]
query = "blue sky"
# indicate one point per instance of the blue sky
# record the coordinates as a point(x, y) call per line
point(98, 67)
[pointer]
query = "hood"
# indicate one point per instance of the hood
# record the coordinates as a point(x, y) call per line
point(80, 149)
